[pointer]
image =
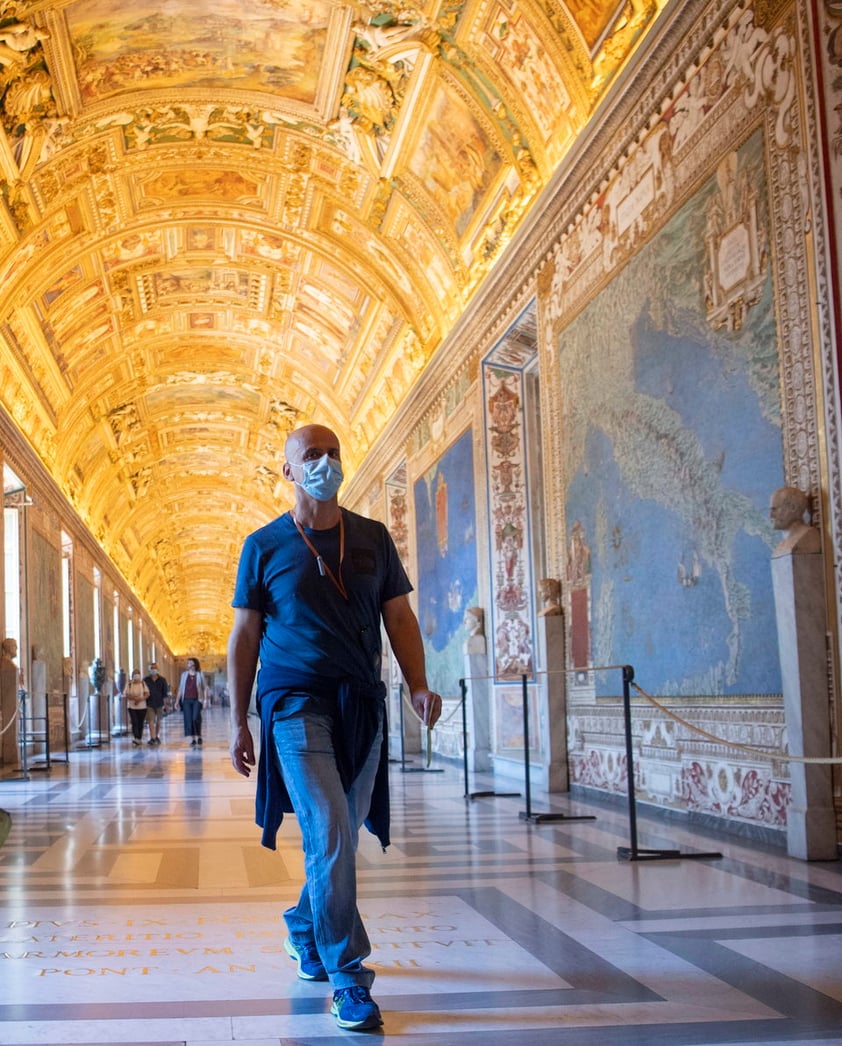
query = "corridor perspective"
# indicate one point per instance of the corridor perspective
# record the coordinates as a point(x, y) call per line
point(139, 908)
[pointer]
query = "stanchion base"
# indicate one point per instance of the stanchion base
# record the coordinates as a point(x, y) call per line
point(540, 818)
point(626, 853)
point(493, 795)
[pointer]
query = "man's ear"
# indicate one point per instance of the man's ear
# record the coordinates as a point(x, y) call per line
point(286, 472)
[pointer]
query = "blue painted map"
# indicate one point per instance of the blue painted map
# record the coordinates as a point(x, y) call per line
point(447, 561)
point(673, 449)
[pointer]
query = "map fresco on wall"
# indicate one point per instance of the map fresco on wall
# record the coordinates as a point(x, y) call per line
point(673, 448)
point(445, 520)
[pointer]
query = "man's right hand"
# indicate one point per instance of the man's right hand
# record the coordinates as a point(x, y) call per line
point(242, 751)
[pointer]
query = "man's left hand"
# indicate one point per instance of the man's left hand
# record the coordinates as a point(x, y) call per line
point(427, 706)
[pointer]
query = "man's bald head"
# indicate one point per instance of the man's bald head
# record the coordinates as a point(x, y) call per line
point(311, 442)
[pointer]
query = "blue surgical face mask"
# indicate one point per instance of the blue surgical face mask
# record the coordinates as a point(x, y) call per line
point(322, 479)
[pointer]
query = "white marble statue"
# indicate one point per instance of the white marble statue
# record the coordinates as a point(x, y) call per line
point(550, 589)
point(474, 622)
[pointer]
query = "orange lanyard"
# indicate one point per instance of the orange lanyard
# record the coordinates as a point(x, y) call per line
point(324, 568)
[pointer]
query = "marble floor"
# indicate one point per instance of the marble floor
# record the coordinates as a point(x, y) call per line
point(138, 907)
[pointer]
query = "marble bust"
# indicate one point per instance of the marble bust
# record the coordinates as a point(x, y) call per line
point(550, 589)
point(474, 622)
point(787, 509)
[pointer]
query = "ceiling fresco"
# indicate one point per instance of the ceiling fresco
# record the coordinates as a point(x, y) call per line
point(224, 218)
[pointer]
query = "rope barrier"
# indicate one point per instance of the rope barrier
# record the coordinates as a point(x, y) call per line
point(516, 677)
point(10, 724)
point(776, 753)
point(772, 752)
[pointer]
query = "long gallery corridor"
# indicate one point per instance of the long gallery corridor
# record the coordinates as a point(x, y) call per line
point(140, 908)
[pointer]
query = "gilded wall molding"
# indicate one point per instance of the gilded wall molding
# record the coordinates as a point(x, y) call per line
point(756, 67)
point(815, 26)
point(511, 283)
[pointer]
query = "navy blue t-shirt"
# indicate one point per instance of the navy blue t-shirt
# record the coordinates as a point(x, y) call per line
point(308, 626)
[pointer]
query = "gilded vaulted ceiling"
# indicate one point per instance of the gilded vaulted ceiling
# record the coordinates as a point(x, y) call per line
point(225, 218)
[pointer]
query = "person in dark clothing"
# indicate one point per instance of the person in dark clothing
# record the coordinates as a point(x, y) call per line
point(158, 688)
point(312, 588)
point(192, 695)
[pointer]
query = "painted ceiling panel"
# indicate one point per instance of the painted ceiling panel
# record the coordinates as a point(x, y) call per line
point(224, 218)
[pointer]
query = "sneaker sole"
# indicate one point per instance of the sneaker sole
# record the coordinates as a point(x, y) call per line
point(368, 1022)
point(289, 948)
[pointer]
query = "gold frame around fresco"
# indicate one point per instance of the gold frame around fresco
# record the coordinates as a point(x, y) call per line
point(337, 50)
point(487, 203)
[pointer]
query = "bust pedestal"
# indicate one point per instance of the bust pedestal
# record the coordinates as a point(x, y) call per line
point(550, 627)
point(477, 705)
point(798, 584)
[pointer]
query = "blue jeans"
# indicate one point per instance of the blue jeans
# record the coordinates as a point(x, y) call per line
point(192, 710)
point(326, 913)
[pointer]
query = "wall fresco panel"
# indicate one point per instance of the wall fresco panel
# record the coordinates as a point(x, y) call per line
point(687, 396)
point(445, 518)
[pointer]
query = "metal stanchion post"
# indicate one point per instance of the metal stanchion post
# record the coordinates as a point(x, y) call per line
point(105, 717)
point(463, 686)
point(527, 814)
point(23, 740)
point(634, 852)
point(47, 748)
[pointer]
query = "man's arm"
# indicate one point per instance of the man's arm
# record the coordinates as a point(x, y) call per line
point(405, 636)
point(243, 649)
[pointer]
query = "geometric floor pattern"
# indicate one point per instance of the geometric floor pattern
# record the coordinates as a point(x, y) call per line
point(138, 907)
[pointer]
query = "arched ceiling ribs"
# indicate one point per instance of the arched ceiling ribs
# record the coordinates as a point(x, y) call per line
point(221, 220)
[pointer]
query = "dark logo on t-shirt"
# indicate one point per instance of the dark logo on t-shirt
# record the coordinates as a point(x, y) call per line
point(363, 561)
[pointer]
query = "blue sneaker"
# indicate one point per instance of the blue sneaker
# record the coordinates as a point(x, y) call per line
point(310, 967)
point(355, 1009)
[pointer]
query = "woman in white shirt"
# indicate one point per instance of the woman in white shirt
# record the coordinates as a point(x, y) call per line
point(136, 693)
